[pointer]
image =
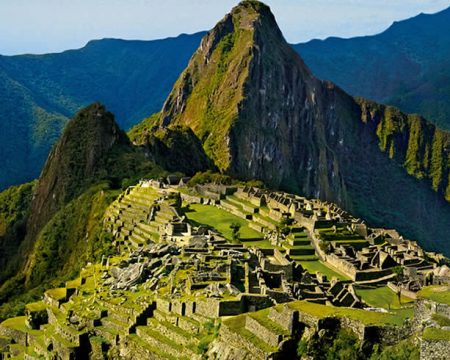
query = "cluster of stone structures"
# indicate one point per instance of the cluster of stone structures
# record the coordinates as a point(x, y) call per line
point(365, 255)
point(171, 281)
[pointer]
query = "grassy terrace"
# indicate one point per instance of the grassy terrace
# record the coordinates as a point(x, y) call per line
point(57, 294)
point(17, 323)
point(366, 317)
point(237, 324)
point(314, 266)
point(440, 294)
point(241, 201)
point(36, 306)
point(220, 220)
point(263, 244)
point(382, 297)
point(262, 317)
point(436, 334)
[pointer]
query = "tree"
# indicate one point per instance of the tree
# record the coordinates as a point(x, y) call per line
point(325, 246)
point(235, 234)
point(398, 271)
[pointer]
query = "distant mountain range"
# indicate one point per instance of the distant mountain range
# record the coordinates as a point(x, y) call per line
point(407, 65)
point(39, 94)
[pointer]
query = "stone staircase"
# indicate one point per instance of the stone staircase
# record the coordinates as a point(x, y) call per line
point(128, 219)
point(298, 246)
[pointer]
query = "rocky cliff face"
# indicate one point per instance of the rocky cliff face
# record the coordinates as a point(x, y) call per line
point(260, 113)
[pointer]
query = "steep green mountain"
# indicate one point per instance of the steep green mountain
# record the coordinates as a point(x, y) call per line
point(261, 114)
point(406, 66)
point(40, 93)
point(49, 229)
point(14, 211)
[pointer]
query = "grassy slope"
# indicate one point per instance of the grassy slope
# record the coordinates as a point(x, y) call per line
point(367, 317)
point(440, 294)
point(318, 266)
point(212, 104)
point(220, 220)
point(81, 178)
point(382, 297)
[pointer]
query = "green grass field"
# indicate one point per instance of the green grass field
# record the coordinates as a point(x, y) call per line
point(314, 266)
point(440, 294)
point(436, 334)
point(17, 323)
point(263, 244)
point(382, 297)
point(220, 220)
point(366, 317)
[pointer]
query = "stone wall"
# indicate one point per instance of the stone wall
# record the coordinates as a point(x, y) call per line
point(208, 308)
point(310, 320)
point(262, 332)
point(425, 308)
point(404, 292)
point(230, 337)
point(286, 318)
point(228, 308)
point(342, 265)
point(256, 302)
point(434, 350)
point(163, 305)
point(19, 337)
point(191, 199)
point(390, 335)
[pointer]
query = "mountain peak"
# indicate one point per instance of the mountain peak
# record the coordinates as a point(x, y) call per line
point(243, 59)
point(76, 160)
point(261, 114)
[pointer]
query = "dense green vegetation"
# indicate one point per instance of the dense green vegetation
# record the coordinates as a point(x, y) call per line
point(58, 251)
point(404, 350)
point(177, 149)
point(333, 345)
point(419, 146)
point(39, 94)
point(14, 210)
point(86, 170)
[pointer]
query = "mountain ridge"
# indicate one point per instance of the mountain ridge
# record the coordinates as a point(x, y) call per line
point(33, 132)
point(130, 78)
point(403, 66)
point(261, 114)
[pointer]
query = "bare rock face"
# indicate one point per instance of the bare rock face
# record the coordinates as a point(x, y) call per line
point(261, 114)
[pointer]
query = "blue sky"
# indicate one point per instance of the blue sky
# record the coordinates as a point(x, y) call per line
point(40, 26)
